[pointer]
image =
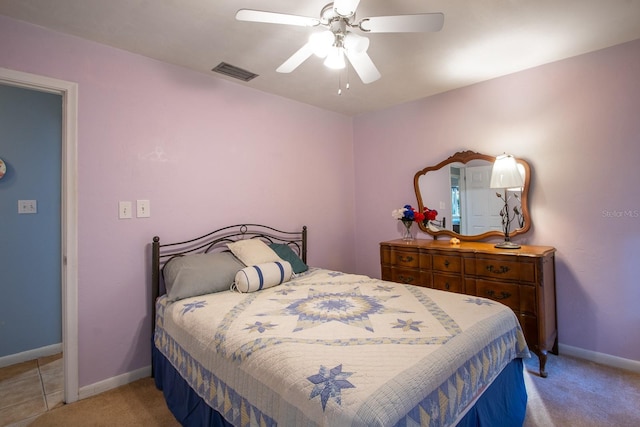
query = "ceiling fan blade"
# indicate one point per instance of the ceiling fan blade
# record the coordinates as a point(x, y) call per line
point(275, 18)
point(364, 66)
point(418, 23)
point(296, 59)
point(345, 7)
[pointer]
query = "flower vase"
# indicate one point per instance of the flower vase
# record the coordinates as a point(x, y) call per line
point(406, 234)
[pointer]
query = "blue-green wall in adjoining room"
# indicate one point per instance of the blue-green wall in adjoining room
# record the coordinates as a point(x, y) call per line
point(30, 251)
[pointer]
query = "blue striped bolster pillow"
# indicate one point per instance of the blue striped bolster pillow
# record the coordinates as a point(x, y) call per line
point(262, 276)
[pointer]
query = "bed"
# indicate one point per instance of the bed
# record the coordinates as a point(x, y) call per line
point(323, 347)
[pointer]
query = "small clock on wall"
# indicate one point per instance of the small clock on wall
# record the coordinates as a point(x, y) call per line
point(3, 168)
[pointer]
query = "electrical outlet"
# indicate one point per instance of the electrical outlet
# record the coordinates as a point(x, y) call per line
point(27, 206)
point(144, 208)
point(124, 210)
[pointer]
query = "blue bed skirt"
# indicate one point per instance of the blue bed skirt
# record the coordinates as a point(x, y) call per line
point(503, 404)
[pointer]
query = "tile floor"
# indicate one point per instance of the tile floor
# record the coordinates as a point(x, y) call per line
point(30, 388)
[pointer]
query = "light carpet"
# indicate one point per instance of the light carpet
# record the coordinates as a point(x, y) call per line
point(576, 393)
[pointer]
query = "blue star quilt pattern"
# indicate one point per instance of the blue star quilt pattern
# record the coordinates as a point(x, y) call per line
point(328, 348)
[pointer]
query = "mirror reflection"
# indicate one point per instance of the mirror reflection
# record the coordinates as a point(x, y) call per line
point(458, 189)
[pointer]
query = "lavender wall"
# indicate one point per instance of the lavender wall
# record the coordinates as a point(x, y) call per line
point(576, 123)
point(208, 152)
point(205, 152)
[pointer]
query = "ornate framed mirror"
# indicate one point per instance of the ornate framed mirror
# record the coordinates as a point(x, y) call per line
point(458, 189)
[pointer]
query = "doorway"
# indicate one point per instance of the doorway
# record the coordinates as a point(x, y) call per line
point(479, 202)
point(69, 215)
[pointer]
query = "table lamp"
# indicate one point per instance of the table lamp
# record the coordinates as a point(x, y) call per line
point(505, 175)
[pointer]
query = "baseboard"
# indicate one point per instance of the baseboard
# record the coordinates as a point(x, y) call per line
point(601, 358)
point(25, 356)
point(113, 382)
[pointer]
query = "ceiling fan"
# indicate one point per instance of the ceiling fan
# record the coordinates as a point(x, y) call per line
point(338, 39)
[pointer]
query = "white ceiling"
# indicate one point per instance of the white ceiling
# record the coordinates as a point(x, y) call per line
point(481, 39)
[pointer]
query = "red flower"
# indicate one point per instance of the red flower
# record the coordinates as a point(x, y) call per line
point(430, 214)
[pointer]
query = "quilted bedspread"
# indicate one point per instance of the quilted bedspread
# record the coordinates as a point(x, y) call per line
point(335, 349)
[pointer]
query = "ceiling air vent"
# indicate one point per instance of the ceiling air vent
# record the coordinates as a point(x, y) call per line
point(233, 71)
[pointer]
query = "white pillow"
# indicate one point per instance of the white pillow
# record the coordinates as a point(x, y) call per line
point(253, 251)
point(262, 276)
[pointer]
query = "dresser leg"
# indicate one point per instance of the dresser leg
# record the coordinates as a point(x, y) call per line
point(542, 357)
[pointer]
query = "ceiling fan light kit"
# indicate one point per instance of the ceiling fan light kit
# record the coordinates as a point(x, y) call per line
point(338, 40)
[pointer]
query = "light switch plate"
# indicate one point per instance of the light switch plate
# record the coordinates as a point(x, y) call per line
point(124, 210)
point(27, 206)
point(144, 208)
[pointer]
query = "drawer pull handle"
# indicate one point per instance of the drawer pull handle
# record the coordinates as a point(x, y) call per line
point(405, 258)
point(447, 286)
point(407, 279)
point(500, 270)
point(503, 294)
point(446, 263)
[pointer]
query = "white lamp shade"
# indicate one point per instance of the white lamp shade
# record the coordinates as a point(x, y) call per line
point(505, 173)
point(335, 58)
point(522, 174)
point(321, 43)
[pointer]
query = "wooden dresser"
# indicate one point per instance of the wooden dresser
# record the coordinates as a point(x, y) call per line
point(523, 279)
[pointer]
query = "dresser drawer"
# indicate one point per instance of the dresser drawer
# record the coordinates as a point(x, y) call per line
point(445, 282)
point(409, 276)
point(401, 258)
point(507, 294)
point(498, 268)
point(447, 263)
point(520, 298)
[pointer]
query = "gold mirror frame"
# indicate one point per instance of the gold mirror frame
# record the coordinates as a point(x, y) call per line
point(465, 157)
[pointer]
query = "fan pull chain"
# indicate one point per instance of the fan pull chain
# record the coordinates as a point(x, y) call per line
point(347, 85)
point(347, 67)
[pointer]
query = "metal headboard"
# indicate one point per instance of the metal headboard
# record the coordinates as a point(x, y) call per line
point(216, 241)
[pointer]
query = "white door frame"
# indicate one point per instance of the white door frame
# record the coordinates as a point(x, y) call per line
point(69, 214)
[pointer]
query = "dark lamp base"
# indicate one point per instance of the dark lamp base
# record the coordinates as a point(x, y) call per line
point(507, 245)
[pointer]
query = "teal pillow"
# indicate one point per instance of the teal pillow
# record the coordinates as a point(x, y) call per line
point(286, 253)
